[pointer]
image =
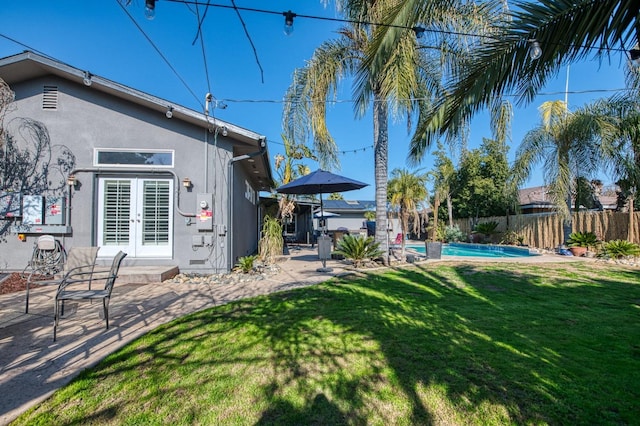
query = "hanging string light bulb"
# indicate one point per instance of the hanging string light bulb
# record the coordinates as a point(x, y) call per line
point(535, 51)
point(150, 9)
point(288, 22)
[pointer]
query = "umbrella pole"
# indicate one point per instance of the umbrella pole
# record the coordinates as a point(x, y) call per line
point(323, 235)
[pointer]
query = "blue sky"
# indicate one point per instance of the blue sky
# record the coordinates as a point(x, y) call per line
point(99, 36)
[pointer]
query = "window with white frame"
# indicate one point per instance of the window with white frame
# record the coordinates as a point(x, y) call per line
point(133, 157)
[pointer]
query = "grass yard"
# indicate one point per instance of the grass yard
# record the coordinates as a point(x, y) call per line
point(497, 343)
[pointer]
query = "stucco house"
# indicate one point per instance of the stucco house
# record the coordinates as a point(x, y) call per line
point(97, 163)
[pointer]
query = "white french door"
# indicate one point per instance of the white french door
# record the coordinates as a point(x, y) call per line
point(135, 216)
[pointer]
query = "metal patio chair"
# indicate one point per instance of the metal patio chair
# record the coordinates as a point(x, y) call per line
point(80, 259)
point(76, 285)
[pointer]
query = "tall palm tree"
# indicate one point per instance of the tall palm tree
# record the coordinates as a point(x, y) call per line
point(408, 192)
point(568, 145)
point(566, 30)
point(403, 87)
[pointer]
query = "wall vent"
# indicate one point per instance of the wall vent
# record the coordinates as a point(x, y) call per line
point(50, 98)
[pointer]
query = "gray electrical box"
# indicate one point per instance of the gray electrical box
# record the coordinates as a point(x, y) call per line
point(10, 204)
point(204, 207)
point(32, 210)
point(54, 213)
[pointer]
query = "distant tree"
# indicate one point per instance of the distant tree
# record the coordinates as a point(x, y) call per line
point(336, 196)
point(408, 193)
point(443, 175)
point(288, 168)
point(567, 144)
point(480, 181)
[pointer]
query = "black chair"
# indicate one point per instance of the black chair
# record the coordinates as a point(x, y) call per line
point(76, 285)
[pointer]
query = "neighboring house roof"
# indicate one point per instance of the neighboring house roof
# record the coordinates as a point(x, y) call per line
point(29, 65)
point(537, 197)
point(348, 205)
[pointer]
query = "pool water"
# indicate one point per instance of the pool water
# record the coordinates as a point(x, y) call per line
point(476, 250)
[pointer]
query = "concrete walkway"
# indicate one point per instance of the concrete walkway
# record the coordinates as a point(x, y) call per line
point(32, 365)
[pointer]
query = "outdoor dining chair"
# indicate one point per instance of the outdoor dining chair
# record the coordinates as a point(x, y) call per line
point(76, 285)
point(79, 259)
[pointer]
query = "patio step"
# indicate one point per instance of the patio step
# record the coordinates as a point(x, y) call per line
point(146, 274)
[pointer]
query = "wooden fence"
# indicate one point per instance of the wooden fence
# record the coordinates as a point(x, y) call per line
point(544, 230)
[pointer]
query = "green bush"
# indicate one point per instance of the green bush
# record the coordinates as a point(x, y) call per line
point(453, 234)
point(246, 263)
point(358, 249)
point(582, 239)
point(486, 228)
point(618, 249)
point(512, 238)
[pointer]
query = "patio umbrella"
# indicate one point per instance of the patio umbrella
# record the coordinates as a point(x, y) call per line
point(321, 182)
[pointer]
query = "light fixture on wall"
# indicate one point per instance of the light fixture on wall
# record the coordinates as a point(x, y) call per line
point(288, 22)
point(223, 130)
point(186, 182)
point(535, 51)
point(87, 78)
point(169, 112)
point(72, 181)
point(150, 9)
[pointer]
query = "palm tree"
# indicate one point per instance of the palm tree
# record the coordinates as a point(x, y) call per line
point(408, 192)
point(443, 175)
point(568, 145)
point(403, 87)
point(621, 141)
point(566, 30)
point(289, 167)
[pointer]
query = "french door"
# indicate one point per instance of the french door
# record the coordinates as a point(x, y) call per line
point(135, 216)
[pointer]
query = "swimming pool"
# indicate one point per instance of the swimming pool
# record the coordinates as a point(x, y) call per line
point(476, 250)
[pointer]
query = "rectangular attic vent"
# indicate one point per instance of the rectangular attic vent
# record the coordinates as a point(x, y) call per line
point(50, 98)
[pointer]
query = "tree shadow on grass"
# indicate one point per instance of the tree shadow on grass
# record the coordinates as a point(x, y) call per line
point(509, 344)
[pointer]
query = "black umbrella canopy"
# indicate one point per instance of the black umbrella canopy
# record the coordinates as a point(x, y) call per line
point(320, 182)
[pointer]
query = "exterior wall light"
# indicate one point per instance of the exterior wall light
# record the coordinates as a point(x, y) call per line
point(186, 182)
point(169, 112)
point(72, 181)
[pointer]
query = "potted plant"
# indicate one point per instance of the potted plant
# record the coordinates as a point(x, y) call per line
point(580, 242)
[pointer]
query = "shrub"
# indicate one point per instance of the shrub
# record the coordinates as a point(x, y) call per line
point(246, 263)
point(618, 249)
point(358, 249)
point(486, 228)
point(582, 239)
point(271, 243)
point(510, 237)
point(453, 234)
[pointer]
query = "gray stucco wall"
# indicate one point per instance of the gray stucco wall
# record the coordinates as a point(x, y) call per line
point(86, 119)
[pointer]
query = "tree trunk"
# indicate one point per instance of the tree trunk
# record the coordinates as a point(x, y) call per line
point(380, 154)
point(631, 217)
point(450, 209)
point(567, 222)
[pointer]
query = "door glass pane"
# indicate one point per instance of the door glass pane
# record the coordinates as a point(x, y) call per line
point(155, 213)
point(117, 212)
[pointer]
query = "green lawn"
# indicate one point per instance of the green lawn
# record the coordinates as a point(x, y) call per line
point(433, 344)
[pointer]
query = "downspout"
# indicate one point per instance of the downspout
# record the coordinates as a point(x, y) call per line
point(232, 161)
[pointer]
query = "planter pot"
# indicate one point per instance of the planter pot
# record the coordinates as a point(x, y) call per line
point(578, 251)
point(433, 250)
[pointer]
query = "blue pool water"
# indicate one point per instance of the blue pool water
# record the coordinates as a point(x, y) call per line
point(476, 250)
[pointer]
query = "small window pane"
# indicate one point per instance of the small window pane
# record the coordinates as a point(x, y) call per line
point(137, 158)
